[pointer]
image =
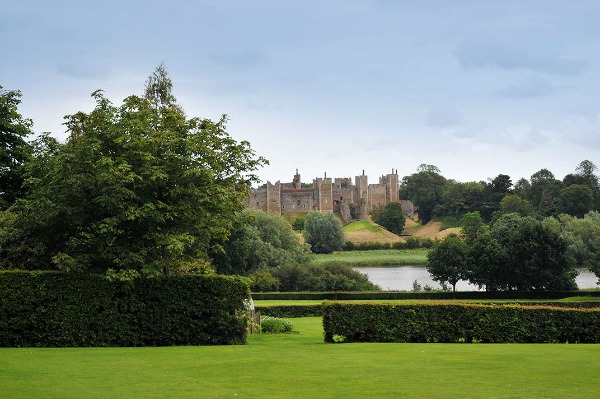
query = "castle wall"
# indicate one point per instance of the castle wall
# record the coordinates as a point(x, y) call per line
point(352, 201)
point(258, 198)
point(377, 196)
point(298, 200)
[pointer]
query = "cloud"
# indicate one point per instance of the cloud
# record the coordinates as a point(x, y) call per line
point(515, 55)
point(80, 69)
point(443, 116)
point(528, 88)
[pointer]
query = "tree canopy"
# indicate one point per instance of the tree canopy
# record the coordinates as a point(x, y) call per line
point(135, 187)
point(323, 232)
point(391, 217)
point(14, 149)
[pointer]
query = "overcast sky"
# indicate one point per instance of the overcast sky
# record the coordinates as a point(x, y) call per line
point(477, 88)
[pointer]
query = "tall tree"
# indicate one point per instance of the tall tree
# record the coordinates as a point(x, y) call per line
point(391, 217)
point(425, 189)
point(576, 200)
point(262, 240)
point(544, 192)
point(14, 149)
point(323, 232)
point(447, 262)
point(135, 187)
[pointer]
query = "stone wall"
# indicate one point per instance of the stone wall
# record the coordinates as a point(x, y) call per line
point(351, 201)
point(298, 200)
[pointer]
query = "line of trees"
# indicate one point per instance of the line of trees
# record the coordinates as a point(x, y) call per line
point(518, 252)
point(540, 196)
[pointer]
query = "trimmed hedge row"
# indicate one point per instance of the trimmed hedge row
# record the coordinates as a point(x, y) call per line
point(373, 295)
point(459, 323)
point(291, 311)
point(54, 309)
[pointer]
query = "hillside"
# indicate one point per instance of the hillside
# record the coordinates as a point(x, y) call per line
point(367, 231)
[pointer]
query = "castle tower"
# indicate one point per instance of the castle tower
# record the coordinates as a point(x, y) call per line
point(274, 197)
point(324, 194)
point(362, 186)
point(296, 182)
point(391, 183)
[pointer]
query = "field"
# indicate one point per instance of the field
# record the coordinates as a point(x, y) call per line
point(302, 366)
point(383, 257)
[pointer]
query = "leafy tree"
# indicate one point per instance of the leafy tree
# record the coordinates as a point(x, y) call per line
point(425, 189)
point(537, 256)
point(539, 259)
point(522, 188)
point(472, 225)
point(576, 200)
point(14, 149)
point(323, 232)
point(513, 203)
point(544, 192)
point(459, 198)
point(448, 261)
point(262, 240)
point(494, 191)
point(391, 217)
point(137, 187)
point(583, 239)
point(488, 262)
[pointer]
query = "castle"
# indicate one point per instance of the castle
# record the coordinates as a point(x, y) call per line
point(339, 195)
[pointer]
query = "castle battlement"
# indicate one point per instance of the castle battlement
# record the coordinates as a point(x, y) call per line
point(340, 195)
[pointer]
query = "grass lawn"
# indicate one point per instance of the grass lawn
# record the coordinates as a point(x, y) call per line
point(302, 366)
point(382, 257)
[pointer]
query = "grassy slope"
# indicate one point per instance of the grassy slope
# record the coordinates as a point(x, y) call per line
point(382, 257)
point(364, 231)
point(302, 366)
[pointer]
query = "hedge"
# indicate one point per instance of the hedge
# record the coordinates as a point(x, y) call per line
point(444, 295)
point(291, 311)
point(55, 309)
point(448, 323)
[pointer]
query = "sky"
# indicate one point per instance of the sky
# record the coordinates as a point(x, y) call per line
point(476, 88)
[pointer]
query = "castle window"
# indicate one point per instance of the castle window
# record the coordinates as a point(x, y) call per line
point(299, 203)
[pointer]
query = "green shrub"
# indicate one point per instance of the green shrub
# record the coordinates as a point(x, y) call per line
point(275, 325)
point(459, 323)
point(333, 276)
point(56, 309)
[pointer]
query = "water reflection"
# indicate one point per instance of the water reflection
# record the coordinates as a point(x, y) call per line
point(401, 278)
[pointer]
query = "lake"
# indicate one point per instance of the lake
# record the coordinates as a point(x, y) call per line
point(401, 278)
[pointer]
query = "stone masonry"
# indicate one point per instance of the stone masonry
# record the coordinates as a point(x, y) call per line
point(340, 195)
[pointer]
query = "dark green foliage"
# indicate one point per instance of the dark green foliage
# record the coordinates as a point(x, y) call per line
point(263, 280)
point(576, 200)
point(391, 217)
point(379, 295)
point(323, 277)
point(472, 225)
point(513, 203)
point(14, 150)
point(291, 311)
point(447, 262)
point(323, 232)
point(425, 189)
point(261, 240)
point(453, 323)
point(135, 187)
point(55, 309)
point(298, 224)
